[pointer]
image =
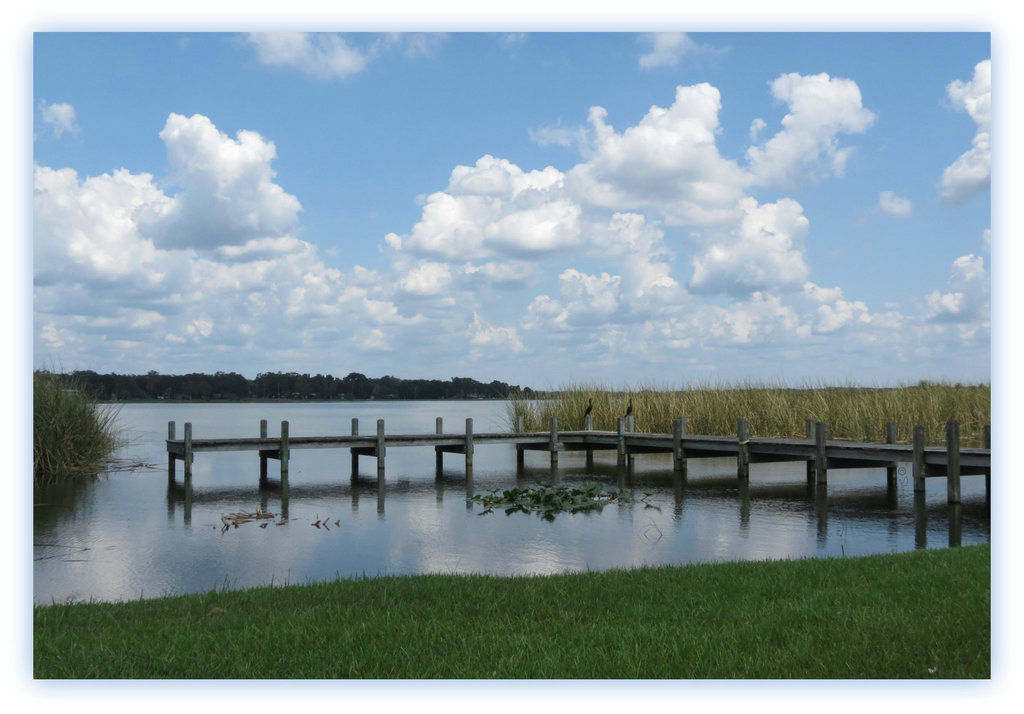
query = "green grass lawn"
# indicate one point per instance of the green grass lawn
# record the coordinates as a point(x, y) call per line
point(924, 614)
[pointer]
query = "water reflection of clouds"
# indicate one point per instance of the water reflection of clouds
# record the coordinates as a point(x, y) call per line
point(141, 542)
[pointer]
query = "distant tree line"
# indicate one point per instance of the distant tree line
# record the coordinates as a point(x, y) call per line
point(231, 386)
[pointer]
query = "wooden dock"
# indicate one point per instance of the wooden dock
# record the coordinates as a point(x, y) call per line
point(818, 452)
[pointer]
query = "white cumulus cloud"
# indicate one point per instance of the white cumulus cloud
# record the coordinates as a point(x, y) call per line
point(668, 163)
point(895, 205)
point(971, 173)
point(60, 117)
point(667, 49)
point(228, 195)
point(820, 109)
point(323, 55)
point(764, 251)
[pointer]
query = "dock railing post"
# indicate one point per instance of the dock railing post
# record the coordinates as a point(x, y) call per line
point(263, 454)
point(809, 424)
point(284, 452)
point(188, 451)
point(988, 472)
point(621, 460)
point(953, 462)
point(380, 450)
point(469, 445)
point(919, 465)
point(742, 448)
point(438, 451)
point(678, 453)
point(554, 442)
point(890, 438)
point(820, 452)
point(170, 456)
point(520, 451)
point(588, 422)
point(353, 453)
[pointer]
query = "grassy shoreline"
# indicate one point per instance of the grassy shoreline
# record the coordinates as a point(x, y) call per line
point(924, 614)
point(851, 413)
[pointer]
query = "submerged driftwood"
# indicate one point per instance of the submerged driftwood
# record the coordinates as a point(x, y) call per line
point(237, 519)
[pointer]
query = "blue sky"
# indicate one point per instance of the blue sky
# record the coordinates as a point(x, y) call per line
point(537, 208)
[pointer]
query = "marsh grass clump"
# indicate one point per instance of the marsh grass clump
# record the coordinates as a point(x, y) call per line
point(852, 413)
point(71, 434)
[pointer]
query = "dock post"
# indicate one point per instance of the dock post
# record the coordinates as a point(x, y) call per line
point(820, 453)
point(919, 465)
point(188, 451)
point(520, 451)
point(353, 452)
point(621, 460)
point(588, 425)
point(890, 438)
point(263, 455)
point(170, 456)
point(469, 445)
point(988, 472)
point(284, 453)
point(742, 448)
point(438, 452)
point(953, 462)
point(809, 424)
point(380, 450)
point(554, 442)
point(678, 453)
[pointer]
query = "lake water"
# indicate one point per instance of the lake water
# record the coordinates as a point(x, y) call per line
point(129, 534)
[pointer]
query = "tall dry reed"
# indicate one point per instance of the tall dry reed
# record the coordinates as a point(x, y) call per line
point(851, 412)
point(71, 433)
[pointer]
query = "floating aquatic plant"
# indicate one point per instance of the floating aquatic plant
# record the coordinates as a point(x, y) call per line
point(548, 500)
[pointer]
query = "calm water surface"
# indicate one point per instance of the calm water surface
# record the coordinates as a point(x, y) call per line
point(130, 534)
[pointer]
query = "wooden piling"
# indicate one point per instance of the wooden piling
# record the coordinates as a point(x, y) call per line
point(988, 472)
point(188, 451)
point(588, 425)
point(918, 457)
point(380, 450)
point(469, 444)
point(678, 453)
point(742, 448)
point(621, 446)
point(953, 462)
point(520, 451)
point(355, 454)
point(553, 445)
point(263, 454)
point(438, 451)
point(284, 452)
point(890, 438)
point(820, 453)
point(170, 456)
point(809, 425)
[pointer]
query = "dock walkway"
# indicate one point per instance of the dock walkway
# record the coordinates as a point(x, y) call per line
point(820, 454)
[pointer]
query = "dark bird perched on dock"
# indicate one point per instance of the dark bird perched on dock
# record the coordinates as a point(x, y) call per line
point(590, 407)
point(629, 409)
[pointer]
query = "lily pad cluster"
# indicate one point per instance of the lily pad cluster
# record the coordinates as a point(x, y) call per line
point(548, 500)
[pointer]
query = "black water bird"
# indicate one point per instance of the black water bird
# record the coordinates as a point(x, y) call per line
point(629, 409)
point(590, 407)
